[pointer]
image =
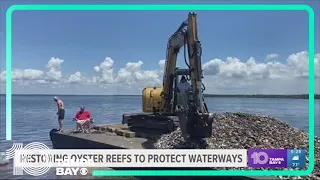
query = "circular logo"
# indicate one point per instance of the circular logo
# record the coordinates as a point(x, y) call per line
point(260, 157)
point(83, 171)
point(39, 159)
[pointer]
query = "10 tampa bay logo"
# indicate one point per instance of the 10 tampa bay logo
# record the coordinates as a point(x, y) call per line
point(267, 158)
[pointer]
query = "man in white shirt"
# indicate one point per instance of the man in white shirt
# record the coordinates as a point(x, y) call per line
point(183, 90)
point(183, 85)
point(183, 95)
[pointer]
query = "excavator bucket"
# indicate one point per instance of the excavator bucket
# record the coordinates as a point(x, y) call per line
point(195, 125)
point(200, 125)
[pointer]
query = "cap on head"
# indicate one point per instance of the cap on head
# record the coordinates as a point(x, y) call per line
point(55, 98)
point(82, 107)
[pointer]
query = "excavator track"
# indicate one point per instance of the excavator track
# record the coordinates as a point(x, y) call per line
point(155, 124)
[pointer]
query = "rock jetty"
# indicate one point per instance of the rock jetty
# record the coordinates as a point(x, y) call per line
point(244, 131)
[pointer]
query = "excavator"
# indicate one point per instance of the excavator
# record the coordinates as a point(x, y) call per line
point(161, 110)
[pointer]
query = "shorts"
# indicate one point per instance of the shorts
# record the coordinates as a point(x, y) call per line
point(61, 114)
point(82, 122)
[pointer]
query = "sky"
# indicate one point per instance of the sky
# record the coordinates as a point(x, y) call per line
point(121, 52)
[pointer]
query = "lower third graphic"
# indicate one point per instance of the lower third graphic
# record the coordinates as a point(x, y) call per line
point(34, 146)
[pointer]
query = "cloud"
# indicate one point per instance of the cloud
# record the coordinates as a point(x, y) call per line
point(26, 74)
point(272, 56)
point(105, 70)
point(23, 76)
point(133, 73)
point(295, 65)
point(162, 63)
point(54, 74)
point(299, 64)
point(234, 68)
point(75, 78)
point(229, 75)
point(3, 76)
point(249, 77)
point(35, 76)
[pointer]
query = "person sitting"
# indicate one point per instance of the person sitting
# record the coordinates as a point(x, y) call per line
point(83, 119)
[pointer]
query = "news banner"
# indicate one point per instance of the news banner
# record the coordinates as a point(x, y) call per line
point(76, 161)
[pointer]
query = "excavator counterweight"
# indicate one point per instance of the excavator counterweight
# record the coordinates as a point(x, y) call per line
point(171, 106)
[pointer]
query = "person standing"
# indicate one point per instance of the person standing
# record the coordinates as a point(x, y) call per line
point(183, 89)
point(183, 97)
point(60, 112)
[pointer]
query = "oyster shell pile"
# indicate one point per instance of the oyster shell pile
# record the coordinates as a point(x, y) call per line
point(244, 131)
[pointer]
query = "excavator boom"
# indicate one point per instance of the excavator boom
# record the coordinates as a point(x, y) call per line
point(195, 50)
point(199, 122)
point(176, 41)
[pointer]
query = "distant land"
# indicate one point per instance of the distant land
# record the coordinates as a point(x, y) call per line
point(278, 96)
point(293, 96)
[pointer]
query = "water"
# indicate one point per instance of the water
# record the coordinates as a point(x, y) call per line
point(34, 116)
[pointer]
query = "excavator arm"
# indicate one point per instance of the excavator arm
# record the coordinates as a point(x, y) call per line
point(194, 52)
point(197, 115)
point(176, 41)
point(186, 34)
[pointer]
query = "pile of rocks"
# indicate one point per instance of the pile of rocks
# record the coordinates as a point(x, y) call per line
point(244, 131)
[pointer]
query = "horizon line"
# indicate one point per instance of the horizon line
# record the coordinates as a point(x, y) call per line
point(141, 94)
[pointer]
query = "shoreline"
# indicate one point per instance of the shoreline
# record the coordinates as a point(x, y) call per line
point(270, 96)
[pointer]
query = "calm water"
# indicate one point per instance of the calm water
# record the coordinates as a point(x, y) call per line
point(34, 116)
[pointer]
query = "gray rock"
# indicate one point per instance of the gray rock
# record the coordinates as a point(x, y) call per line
point(244, 131)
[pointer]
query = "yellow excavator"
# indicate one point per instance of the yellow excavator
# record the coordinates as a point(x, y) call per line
point(161, 110)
